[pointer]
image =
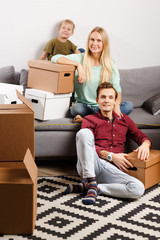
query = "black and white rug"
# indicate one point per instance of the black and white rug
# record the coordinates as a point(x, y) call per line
point(65, 217)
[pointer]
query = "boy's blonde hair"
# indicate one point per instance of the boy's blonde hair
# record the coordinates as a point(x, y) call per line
point(67, 21)
point(105, 58)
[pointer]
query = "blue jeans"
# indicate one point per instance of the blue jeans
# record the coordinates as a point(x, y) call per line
point(110, 179)
point(84, 109)
point(82, 50)
point(126, 107)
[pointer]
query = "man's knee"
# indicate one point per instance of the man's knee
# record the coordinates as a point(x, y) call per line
point(84, 135)
point(140, 189)
point(136, 189)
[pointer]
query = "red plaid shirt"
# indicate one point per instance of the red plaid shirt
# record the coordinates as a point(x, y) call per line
point(111, 137)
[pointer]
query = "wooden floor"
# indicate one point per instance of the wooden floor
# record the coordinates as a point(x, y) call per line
point(59, 167)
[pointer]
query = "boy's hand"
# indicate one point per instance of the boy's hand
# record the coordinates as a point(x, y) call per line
point(143, 150)
point(77, 51)
point(44, 55)
point(81, 75)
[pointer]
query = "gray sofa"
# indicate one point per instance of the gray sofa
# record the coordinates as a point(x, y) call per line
point(56, 138)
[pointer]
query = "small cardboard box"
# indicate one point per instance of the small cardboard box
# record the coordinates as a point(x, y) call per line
point(8, 94)
point(17, 130)
point(147, 171)
point(51, 77)
point(48, 105)
point(18, 200)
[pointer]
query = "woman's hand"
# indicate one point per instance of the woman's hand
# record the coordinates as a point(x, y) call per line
point(81, 75)
point(80, 70)
point(117, 109)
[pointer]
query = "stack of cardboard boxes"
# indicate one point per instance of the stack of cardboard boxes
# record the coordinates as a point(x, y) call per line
point(18, 171)
point(49, 88)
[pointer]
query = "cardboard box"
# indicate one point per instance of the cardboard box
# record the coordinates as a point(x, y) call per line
point(47, 105)
point(51, 77)
point(147, 171)
point(17, 130)
point(18, 201)
point(8, 94)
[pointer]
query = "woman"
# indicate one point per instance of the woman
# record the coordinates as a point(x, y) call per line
point(92, 68)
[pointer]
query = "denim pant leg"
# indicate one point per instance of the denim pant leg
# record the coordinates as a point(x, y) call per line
point(87, 164)
point(113, 182)
point(82, 109)
point(126, 107)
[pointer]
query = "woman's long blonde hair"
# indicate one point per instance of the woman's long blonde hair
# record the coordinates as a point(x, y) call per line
point(105, 59)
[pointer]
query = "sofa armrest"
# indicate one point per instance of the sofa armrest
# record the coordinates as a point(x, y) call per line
point(8, 75)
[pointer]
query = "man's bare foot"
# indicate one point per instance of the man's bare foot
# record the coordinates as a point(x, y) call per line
point(77, 118)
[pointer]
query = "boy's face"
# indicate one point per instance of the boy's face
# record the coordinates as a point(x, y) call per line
point(106, 99)
point(65, 30)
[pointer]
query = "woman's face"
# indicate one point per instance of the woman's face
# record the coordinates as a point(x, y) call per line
point(95, 43)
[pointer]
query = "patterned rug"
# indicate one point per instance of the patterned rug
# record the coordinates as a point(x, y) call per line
point(65, 217)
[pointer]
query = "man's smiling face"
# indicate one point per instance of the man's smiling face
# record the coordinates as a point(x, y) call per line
point(106, 100)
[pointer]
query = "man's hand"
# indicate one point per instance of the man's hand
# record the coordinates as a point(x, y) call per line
point(121, 162)
point(143, 150)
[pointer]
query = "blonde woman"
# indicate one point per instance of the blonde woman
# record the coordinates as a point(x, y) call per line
point(92, 68)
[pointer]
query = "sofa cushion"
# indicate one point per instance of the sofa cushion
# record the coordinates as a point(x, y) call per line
point(8, 75)
point(152, 105)
point(23, 77)
point(139, 84)
point(144, 119)
point(62, 124)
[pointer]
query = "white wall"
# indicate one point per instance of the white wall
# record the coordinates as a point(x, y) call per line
point(133, 27)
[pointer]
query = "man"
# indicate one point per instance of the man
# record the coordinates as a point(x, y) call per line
point(100, 144)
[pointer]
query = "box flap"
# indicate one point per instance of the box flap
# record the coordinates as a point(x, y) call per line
point(24, 100)
point(48, 65)
point(154, 158)
point(30, 165)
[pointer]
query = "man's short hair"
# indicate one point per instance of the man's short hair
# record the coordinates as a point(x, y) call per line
point(106, 85)
point(67, 21)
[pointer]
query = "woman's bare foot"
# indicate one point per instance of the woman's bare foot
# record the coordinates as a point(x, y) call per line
point(77, 118)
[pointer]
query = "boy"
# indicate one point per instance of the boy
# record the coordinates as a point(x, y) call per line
point(61, 44)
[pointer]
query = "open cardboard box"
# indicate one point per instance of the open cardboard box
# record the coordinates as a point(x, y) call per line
point(8, 93)
point(51, 77)
point(147, 171)
point(18, 172)
point(17, 130)
point(18, 200)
